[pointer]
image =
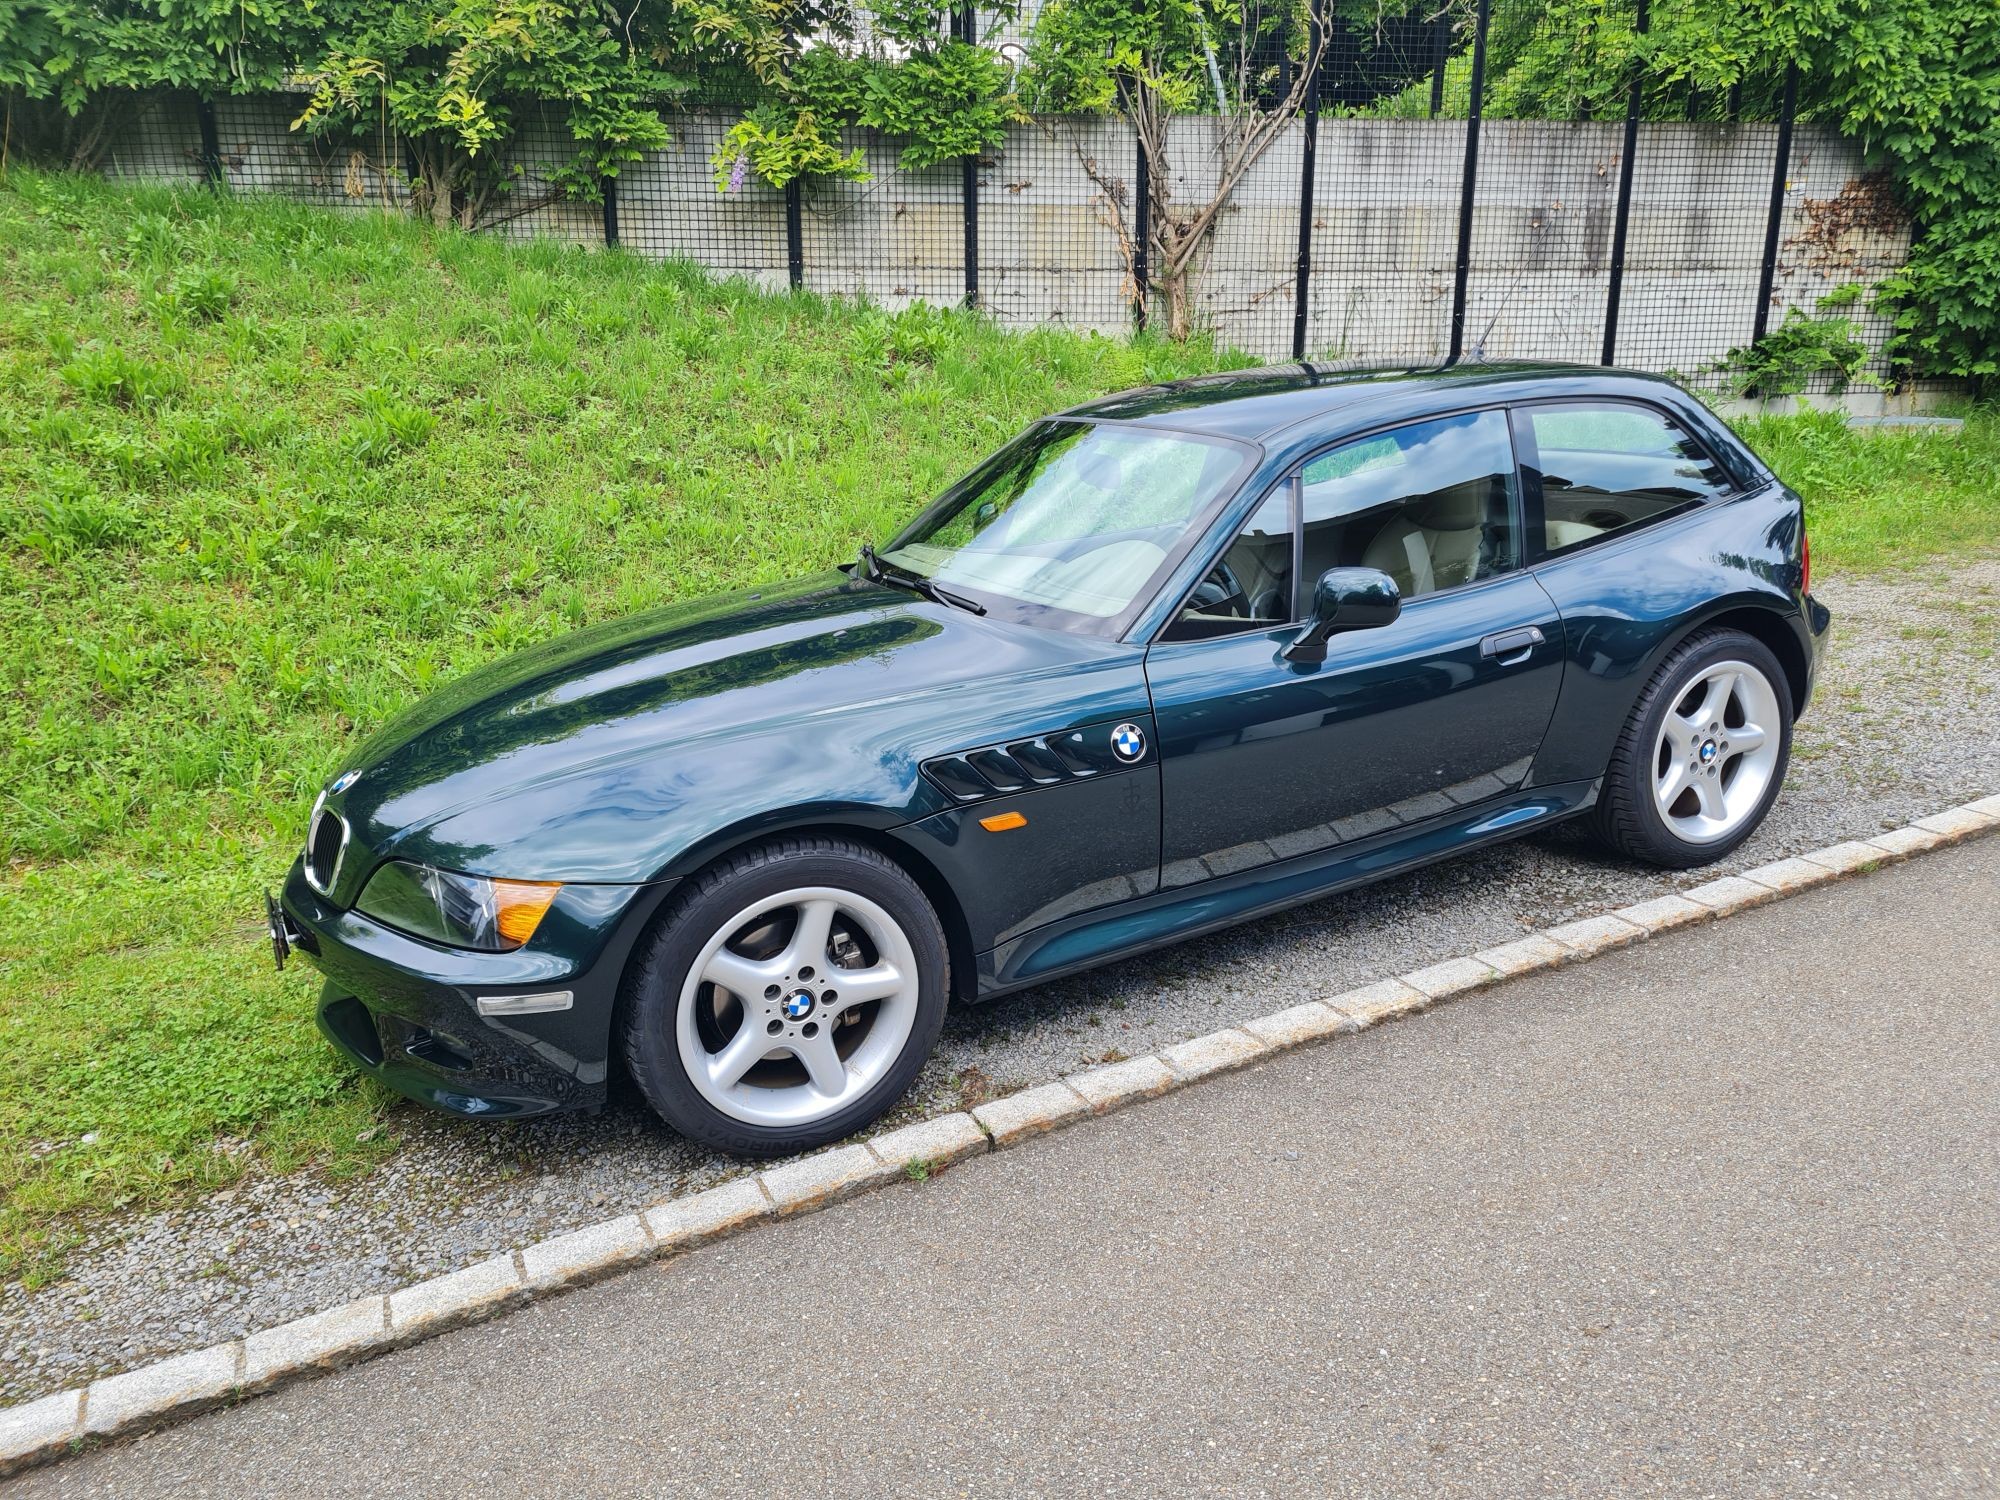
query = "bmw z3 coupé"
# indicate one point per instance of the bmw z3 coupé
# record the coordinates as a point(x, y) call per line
point(1167, 661)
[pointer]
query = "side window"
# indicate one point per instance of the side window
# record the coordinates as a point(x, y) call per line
point(1430, 504)
point(1251, 587)
point(1608, 467)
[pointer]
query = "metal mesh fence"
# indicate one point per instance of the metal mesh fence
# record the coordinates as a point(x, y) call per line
point(1462, 181)
point(668, 206)
point(1054, 213)
point(258, 151)
point(155, 137)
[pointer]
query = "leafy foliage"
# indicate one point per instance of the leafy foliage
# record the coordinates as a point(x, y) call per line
point(454, 77)
point(1790, 355)
point(941, 97)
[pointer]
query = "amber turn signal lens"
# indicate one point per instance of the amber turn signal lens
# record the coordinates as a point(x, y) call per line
point(518, 906)
point(1001, 822)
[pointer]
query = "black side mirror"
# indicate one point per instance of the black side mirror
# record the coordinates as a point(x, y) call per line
point(1346, 599)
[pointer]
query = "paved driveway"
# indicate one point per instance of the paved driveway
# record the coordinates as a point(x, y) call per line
point(1715, 1215)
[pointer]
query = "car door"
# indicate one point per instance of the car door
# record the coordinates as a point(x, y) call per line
point(1263, 758)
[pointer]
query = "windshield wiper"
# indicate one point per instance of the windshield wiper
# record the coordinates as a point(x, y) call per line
point(916, 583)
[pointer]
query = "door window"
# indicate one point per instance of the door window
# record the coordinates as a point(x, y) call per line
point(1251, 588)
point(1607, 467)
point(1430, 504)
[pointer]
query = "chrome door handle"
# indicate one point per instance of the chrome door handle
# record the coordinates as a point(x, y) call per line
point(1512, 647)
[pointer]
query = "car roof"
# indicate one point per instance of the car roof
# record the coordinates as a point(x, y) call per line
point(1253, 404)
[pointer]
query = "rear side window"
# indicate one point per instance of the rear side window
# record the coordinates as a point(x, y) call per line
point(1607, 468)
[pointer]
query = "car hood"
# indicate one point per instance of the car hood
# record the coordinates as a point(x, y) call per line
point(604, 754)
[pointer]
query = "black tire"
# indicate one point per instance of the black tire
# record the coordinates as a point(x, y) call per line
point(655, 978)
point(1627, 819)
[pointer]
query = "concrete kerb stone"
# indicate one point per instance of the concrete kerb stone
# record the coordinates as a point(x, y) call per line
point(1663, 914)
point(932, 1144)
point(1218, 1052)
point(1732, 893)
point(1901, 843)
point(320, 1341)
point(679, 1224)
point(815, 1181)
point(1452, 977)
point(586, 1255)
point(46, 1428)
point(1030, 1112)
point(1524, 955)
point(1958, 822)
point(1849, 858)
point(1595, 935)
point(1299, 1025)
point(455, 1298)
point(1115, 1085)
point(1788, 875)
point(39, 1430)
point(1384, 1000)
point(152, 1393)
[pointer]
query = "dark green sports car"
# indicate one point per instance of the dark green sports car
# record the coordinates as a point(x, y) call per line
point(1170, 660)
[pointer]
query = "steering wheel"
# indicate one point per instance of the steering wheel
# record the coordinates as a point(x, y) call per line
point(1220, 593)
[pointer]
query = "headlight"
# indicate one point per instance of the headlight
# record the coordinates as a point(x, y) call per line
point(460, 911)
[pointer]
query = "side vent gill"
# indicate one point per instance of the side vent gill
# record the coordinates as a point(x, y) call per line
point(1022, 765)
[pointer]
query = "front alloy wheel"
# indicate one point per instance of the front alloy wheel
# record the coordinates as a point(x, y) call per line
point(797, 1006)
point(786, 998)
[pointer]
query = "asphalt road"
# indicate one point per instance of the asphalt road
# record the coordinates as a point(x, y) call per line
point(1715, 1215)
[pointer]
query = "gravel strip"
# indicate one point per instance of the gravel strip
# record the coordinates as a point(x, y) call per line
point(1904, 723)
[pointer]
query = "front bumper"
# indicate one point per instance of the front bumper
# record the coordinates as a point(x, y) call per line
point(406, 1012)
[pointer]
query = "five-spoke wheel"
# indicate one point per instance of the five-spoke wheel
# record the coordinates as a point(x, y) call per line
point(1702, 757)
point(1716, 752)
point(797, 1005)
point(786, 997)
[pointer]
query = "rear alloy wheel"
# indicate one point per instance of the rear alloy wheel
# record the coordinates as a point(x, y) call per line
point(1701, 760)
point(788, 998)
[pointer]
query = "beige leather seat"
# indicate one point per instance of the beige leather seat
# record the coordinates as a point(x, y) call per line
point(1432, 542)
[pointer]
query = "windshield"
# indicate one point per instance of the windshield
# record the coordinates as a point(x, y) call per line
point(1071, 523)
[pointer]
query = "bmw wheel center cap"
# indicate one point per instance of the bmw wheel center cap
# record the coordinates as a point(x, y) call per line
point(1128, 743)
point(798, 1005)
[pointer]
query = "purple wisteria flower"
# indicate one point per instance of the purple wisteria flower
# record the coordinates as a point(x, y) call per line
point(738, 172)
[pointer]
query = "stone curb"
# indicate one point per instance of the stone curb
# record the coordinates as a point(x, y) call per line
point(49, 1427)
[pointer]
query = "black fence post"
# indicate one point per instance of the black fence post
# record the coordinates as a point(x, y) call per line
point(611, 213)
point(1142, 232)
point(1315, 44)
point(1615, 281)
point(1468, 184)
point(1440, 55)
point(211, 143)
point(795, 234)
point(968, 32)
point(1780, 170)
